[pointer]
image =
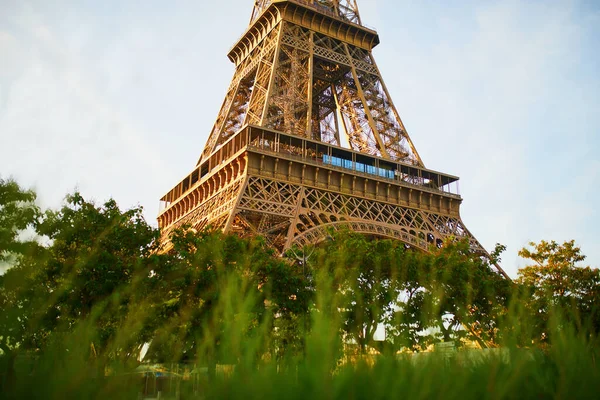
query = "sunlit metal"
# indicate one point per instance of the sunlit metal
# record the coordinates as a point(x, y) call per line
point(308, 140)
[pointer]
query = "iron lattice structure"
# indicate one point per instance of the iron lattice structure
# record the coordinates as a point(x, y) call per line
point(308, 139)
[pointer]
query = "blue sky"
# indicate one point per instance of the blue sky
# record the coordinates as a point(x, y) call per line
point(116, 98)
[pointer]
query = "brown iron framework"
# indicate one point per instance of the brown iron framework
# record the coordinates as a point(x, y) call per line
point(308, 140)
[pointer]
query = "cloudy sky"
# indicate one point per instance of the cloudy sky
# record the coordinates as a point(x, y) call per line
point(116, 99)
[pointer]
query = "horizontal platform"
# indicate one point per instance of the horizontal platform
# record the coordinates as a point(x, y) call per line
point(303, 150)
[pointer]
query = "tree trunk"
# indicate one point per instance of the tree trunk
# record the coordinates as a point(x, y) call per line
point(445, 332)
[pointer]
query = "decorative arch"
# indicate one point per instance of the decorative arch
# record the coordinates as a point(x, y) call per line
point(320, 233)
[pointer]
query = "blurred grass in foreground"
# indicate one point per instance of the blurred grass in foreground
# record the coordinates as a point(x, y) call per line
point(242, 365)
point(223, 317)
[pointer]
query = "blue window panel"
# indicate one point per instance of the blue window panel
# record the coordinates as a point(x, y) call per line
point(386, 173)
point(348, 164)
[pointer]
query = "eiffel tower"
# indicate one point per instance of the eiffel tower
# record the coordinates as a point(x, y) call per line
point(308, 140)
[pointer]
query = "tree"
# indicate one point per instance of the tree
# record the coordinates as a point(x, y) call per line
point(558, 287)
point(448, 294)
point(185, 290)
point(18, 212)
point(469, 294)
point(406, 326)
point(421, 298)
point(219, 298)
point(87, 278)
point(361, 269)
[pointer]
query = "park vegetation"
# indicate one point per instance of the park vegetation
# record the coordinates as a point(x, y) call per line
point(90, 287)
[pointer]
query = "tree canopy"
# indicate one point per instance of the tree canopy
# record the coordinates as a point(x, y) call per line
point(90, 282)
point(557, 285)
point(18, 212)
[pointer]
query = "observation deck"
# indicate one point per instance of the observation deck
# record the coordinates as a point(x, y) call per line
point(313, 163)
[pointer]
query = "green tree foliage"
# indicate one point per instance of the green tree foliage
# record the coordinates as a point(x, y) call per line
point(101, 286)
point(463, 294)
point(18, 303)
point(362, 279)
point(446, 295)
point(555, 284)
point(70, 299)
point(96, 255)
point(18, 212)
point(217, 296)
point(421, 298)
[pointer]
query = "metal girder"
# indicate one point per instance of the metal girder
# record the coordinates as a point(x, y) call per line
point(303, 82)
point(275, 163)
